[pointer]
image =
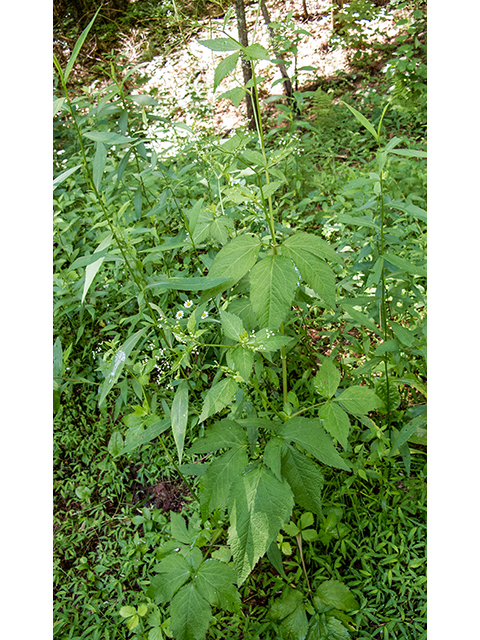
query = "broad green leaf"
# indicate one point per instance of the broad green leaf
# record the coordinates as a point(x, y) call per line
point(405, 265)
point(290, 611)
point(118, 363)
point(127, 612)
point(187, 284)
point(361, 118)
point(315, 272)
point(327, 379)
point(220, 227)
point(232, 325)
point(233, 261)
point(99, 162)
point(337, 594)
point(359, 400)
point(221, 44)
point(327, 628)
point(115, 444)
point(190, 614)
point(253, 157)
point(223, 434)
point(272, 287)
point(305, 479)
point(78, 46)
point(272, 456)
point(266, 340)
point(215, 582)
point(92, 269)
point(57, 105)
point(218, 397)
point(107, 137)
point(275, 557)
point(218, 478)
point(179, 416)
point(259, 505)
point(64, 175)
point(408, 431)
point(256, 52)
point(312, 244)
point(335, 421)
point(236, 95)
point(311, 436)
point(155, 634)
point(270, 188)
point(178, 528)
point(225, 67)
point(154, 427)
point(174, 571)
point(361, 318)
point(241, 359)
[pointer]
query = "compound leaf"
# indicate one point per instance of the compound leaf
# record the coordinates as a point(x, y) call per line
point(190, 614)
point(215, 582)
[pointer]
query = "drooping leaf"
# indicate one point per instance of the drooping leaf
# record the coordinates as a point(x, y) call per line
point(405, 265)
point(64, 175)
point(259, 505)
point(107, 137)
point(179, 416)
point(256, 52)
point(92, 269)
point(407, 431)
point(361, 118)
point(241, 359)
point(404, 335)
point(359, 400)
point(311, 436)
point(218, 397)
point(315, 272)
point(155, 426)
point(236, 95)
point(215, 582)
point(272, 286)
point(218, 479)
point(226, 66)
point(186, 284)
point(305, 479)
point(327, 379)
point(190, 614)
point(335, 421)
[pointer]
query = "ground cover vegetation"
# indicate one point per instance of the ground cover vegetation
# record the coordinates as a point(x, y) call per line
point(239, 352)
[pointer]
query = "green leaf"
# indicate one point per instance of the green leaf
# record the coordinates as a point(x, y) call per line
point(57, 105)
point(64, 175)
point(269, 189)
point(404, 335)
point(92, 269)
point(179, 416)
point(272, 287)
point(218, 479)
point(78, 46)
point(359, 400)
point(190, 614)
point(361, 118)
point(305, 479)
point(187, 284)
point(155, 427)
point(215, 582)
point(313, 244)
point(335, 421)
point(408, 430)
point(272, 456)
point(259, 505)
point(241, 359)
point(232, 325)
point(221, 44)
point(311, 436)
point(236, 95)
point(275, 557)
point(337, 594)
point(409, 153)
point(327, 628)
point(115, 444)
point(225, 67)
point(178, 528)
point(253, 157)
point(99, 162)
point(361, 318)
point(327, 379)
point(316, 273)
point(256, 52)
point(218, 397)
point(223, 434)
point(290, 610)
point(118, 363)
point(174, 571)
point(266, 340)
point(107, 137)
point(127, 612)
point(405, 265)
point(408, 207)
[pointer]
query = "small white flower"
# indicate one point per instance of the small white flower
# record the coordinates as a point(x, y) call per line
point(188, 304)
point(204, 315)
point(179, 314)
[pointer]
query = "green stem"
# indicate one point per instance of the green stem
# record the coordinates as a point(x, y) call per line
point(299, 542)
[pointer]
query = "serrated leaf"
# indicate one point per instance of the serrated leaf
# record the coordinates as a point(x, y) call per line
point(179, 416)
point(232, 325)
point(221, 44)
point(290, 610)
point(305, 479)
point(224, 434)
point(272, 286)
point(241, 359)
point(215, 582)
point(272, 456)
point(187, 284)
point(259, 505)
point(359, 400)
point(315, 272)
point(337, 594)
point(190, 614)
point(327, 379)
point(174, 571)
point(226, 66)
point(218, 479)
point(178, 528)
point(218, 397)
point(313, 244)
point(328, 628)
point(311, 436)
point(270, 188)
point(236, 95)
point(253, 157)
point(256, 52)
point(335, 421)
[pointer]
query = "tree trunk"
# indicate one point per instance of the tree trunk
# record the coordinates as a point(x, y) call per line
point(246, 64)
point(287, 85)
